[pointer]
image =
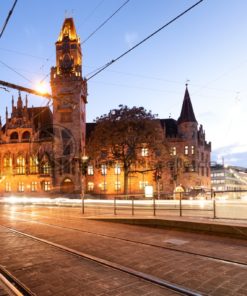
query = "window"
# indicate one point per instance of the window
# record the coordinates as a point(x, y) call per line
point(20, 165)
point(14, 137)
point(26, 136)
point(90, 170)
point(186, 150)
point(33, 165)
point(7, 162)
point(103, 169)
point(173, 151)
point(7, 187)
point(90, 186)
point(34, 186)
point(103, 186)
point(202, 156)
point(117, 186)
point(46, 168)
point(46, 185)
point(142, 184)
point(117, 169)
point(144, 152)
point(192, 150)
point(20, 187)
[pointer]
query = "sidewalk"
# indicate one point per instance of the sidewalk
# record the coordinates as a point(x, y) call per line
point(226, 227)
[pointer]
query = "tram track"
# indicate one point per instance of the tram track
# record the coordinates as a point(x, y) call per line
point(11, 285)
point(209, 257)
point(137, 274)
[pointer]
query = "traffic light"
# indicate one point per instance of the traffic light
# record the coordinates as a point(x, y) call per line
point(84, 168)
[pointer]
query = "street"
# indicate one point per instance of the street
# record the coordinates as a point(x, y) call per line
point(201, 263)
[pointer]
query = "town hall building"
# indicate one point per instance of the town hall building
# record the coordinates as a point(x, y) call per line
point(43, 151)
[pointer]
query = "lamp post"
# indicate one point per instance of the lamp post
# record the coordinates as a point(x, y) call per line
point(84, 162)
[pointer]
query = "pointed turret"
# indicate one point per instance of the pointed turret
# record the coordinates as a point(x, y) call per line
point(19, 102)
point(187, 112)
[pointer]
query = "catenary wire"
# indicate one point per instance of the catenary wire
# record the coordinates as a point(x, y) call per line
point(101, 25)
point(144, 40)
point(8, 17)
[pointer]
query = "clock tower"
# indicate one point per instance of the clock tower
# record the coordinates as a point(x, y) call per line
point(69, 91)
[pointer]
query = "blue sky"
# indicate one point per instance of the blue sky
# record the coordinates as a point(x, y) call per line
point(207, 47)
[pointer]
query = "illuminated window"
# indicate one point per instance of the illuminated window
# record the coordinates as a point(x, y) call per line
point(20, 187)
point(46, 185)
point(34, 186)
point(192, 150)
point(20, 165)
point(33, 165)
point(90, 171)
point(186, 150)
point(7, 162)
point(117, 169)
point(90, 186)
point(117, 186)
point(144, 152)
point(46, 168)
point(173, 151)
point(7, 187)
point(103, 169)
point(142, 184)
point(103, 186)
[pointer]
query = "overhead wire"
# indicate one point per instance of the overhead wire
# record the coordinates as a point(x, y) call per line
point(12, 69)
point(104, 22)
point(144, 40)
point(7, 19)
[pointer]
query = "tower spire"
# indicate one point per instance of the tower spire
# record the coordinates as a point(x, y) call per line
point(187, 112)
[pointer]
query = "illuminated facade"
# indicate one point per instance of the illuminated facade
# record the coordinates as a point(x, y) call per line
point(188, 163)
point(41, 151)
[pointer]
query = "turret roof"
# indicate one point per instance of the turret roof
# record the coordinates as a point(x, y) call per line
point(68, 30)
point(187, 112)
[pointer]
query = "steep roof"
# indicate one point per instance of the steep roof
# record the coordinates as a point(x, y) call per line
point(170, 127)
point(68, 30)
point(187, 112)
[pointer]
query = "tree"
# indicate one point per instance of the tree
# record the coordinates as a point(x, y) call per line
point(120, 136)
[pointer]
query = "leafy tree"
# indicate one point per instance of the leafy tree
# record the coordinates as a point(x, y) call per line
point(120, 136)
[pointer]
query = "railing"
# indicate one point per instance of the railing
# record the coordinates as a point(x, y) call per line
point(213, 205)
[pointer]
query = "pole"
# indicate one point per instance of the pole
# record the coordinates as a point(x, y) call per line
point(180, 204)
point(132, 206)
point(214, 206)
point(82, 204)
point(115, 206)
point(154, 208)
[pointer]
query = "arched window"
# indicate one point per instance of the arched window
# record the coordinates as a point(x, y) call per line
point(26, 136)
point(20, 165)
point(14, 137)
point(33, 165)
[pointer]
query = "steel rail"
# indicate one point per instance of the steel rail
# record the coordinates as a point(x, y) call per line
point(13, 284)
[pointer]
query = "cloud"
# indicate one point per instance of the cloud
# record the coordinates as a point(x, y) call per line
point(232, 154)
point(131, 38)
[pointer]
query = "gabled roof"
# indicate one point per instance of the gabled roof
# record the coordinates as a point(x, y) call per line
point(187, 112)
